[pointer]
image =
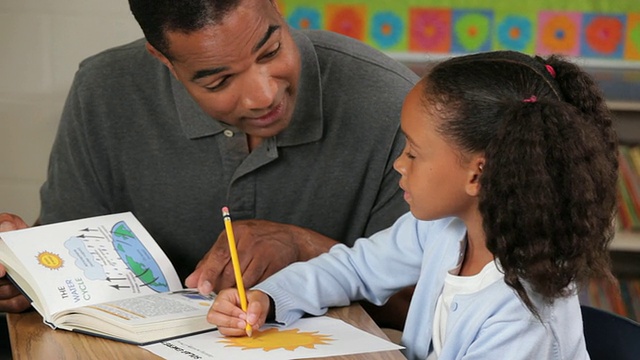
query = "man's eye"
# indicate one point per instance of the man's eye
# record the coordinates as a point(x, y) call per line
point(220, 84)
point(272, 53)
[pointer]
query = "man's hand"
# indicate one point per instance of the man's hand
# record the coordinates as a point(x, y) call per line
point(11, 299)
point(264, 247)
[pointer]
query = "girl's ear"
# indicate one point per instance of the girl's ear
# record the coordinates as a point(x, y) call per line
point(475, 171)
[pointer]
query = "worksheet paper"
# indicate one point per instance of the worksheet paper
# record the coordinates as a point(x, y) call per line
point(307, 338)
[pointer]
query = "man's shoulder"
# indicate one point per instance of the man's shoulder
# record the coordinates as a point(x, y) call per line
point(118, 59)
point(125, 67)
point(331, 46)
point(115, 54)
point(344, 45)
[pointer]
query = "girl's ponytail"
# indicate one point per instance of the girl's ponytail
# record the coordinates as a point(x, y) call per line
point(562, 162)
point(581, 91)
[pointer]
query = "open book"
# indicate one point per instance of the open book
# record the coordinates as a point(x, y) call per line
point(104, 276)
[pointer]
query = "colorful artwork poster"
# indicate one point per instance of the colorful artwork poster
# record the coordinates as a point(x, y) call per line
point(559, 32)
point(632, 41)
point(349, 20)
point(430, 30)
point(472, 31)
point(581, 28)
point(514, 31)
point(602, 36)
point(306, 18)
point(387, 29)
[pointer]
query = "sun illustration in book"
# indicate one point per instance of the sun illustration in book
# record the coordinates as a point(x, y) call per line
point(50, 260)
point(273, 338)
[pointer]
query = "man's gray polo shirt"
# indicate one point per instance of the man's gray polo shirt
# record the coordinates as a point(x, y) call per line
point(132, 139)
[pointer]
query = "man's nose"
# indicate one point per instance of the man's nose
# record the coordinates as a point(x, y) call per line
point(259, 90)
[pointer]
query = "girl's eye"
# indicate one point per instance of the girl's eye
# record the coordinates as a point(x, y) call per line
point(409, 155)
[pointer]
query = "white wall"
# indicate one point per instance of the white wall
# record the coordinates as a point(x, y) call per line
point(41, 44)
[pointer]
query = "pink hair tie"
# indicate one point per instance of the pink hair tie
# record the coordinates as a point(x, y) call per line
point(532, 99)
point(551, 70)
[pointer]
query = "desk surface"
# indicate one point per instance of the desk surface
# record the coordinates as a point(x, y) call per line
point(32, 339)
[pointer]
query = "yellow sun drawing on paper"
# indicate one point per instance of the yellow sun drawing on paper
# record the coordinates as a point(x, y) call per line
point(272, 339)
point(50, 260)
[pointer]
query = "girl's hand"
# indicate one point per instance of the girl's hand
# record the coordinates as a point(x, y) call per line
point(228, 316)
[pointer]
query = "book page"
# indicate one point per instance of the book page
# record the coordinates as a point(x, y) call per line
point(146, 312)
point(89, 261)
point(145, 318)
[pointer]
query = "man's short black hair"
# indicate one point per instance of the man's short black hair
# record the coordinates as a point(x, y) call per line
point(156, 17)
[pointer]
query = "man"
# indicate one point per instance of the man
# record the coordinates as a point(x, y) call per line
point(223, 105)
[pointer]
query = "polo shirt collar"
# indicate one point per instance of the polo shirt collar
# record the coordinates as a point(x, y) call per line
point(306, 124)
point(195, 122)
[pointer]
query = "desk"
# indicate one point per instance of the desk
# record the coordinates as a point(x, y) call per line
point(32, 339)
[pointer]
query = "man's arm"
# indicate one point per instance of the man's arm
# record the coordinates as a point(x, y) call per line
point(264, 247)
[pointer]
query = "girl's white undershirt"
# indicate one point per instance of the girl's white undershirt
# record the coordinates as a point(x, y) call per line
point(457, 285)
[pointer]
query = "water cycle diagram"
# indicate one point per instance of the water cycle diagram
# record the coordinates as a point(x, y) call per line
point(115, 256)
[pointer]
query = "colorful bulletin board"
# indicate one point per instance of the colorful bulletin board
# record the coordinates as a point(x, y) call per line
point(598, 29)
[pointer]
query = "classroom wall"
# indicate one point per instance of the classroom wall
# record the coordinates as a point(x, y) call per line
point(41, 44)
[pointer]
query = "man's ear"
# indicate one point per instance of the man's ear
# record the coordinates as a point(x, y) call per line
point(160, 56)
point(475, 171)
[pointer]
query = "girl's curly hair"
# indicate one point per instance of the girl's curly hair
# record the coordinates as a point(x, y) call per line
point(548, 187)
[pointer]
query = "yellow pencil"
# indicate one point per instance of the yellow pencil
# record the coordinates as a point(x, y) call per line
point(236, 263)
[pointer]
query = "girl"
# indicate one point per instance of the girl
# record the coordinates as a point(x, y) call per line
point(509, 170)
